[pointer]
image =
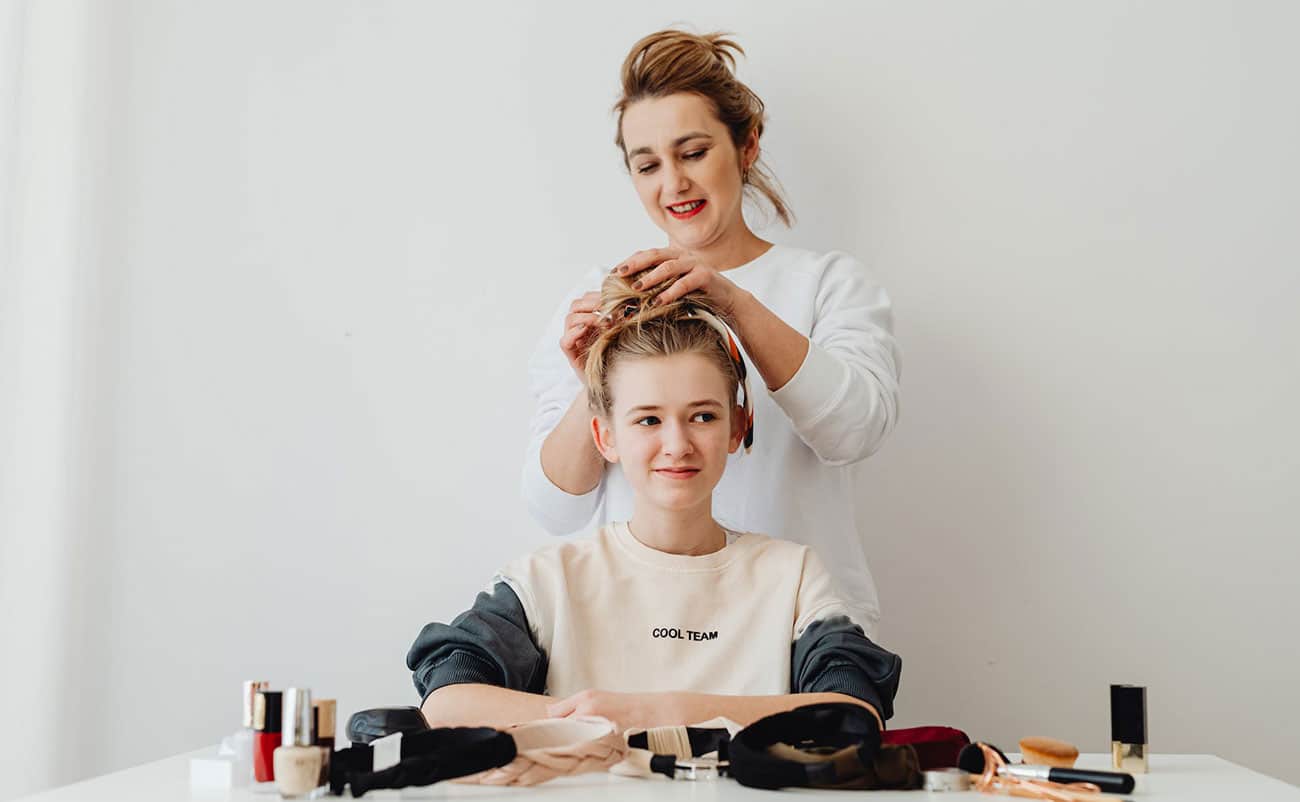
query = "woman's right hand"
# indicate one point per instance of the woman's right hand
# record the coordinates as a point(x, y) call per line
point(581, 326)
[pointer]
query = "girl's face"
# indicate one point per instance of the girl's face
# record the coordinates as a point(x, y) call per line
point(671, 425)
point(680, 153)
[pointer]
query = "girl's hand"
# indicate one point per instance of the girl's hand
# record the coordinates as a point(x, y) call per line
point(624, 709)
point(581, 326)
point(690, 274)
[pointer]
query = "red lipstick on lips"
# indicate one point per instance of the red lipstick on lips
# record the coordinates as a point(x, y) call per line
point(691, 213)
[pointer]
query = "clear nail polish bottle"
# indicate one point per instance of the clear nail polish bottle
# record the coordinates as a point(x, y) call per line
point(239, 746)
point(298, 759)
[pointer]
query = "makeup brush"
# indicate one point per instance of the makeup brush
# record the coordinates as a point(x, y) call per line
point(971, 760)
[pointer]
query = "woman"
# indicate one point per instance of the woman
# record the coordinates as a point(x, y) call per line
point(667, 617)
point(816, 326)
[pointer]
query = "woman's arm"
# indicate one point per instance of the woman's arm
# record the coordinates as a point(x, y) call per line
point(843, 398)
point(569, 457)
point(773, 346)
point(562, 475)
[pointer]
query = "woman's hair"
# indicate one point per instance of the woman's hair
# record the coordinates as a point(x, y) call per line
point(639, 330)
point(672, 61)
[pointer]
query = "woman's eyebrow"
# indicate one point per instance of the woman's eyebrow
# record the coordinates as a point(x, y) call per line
point(679, 140)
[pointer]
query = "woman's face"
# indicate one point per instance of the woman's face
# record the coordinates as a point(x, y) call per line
point(680, 153)
point(671, 425)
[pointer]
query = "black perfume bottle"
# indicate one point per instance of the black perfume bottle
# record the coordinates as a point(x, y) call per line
point(1128, 728)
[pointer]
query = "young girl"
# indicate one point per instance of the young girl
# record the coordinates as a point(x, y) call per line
point(666, 618)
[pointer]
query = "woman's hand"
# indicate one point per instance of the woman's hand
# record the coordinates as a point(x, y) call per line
point(581, 326)
point(690, 273)
point(624, 709)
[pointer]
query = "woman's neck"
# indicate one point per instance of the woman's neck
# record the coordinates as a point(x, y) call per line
point(732, 250)
point(691, 532)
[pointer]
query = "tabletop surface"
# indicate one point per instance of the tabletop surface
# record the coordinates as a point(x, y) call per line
point(1189, 778)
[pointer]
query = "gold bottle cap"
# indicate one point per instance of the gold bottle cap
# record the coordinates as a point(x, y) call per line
point(250, 689)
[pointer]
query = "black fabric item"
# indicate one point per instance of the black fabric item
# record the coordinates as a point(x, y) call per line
point(429, 757)
point(489, 644)
point(834, 656)
point(840, 730)
point(703, 740)
point(365, 726)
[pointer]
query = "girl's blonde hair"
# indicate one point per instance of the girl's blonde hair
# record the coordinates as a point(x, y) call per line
point(640, 330)
point(670, 61)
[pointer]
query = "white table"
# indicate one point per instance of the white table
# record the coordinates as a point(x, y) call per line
point(1187, 778)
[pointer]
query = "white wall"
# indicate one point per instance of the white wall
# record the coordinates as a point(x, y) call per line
point(334, 231)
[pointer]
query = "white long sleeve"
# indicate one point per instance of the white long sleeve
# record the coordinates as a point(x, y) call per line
point(836, 410)
point(843, 400)
point(553, 385)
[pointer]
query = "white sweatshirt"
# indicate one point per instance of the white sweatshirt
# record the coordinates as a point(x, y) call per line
point(760, 616)
point(836, 410)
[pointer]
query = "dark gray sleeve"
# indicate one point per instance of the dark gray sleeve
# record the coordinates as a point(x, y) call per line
point(834, 656)
point(490, 644)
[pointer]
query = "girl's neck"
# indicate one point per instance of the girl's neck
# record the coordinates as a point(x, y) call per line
point(690, 532)
point(732, 250)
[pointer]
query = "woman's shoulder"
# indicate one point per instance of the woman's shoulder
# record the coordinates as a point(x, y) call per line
point(793, 260)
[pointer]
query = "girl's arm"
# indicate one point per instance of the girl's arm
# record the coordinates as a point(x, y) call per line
point(745, 710)
point(477, 705)
point(680, 708)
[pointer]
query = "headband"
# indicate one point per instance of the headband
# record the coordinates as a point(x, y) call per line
point(427, 756)
point(738, 361)
point(832, 745)
point(556, 747)
point(693, 752)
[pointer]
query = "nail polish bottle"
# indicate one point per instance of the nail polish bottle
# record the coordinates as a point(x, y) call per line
point(323, 712)
point(266, 734)
point(241, 742)
point(298, 760)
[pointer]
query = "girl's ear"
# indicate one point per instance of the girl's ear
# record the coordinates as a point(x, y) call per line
point(738, 424)
point(603, 436)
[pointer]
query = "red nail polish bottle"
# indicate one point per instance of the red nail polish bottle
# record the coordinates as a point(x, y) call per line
point(266, 734)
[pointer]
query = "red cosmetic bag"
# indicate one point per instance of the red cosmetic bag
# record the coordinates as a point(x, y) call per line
point(937, 747)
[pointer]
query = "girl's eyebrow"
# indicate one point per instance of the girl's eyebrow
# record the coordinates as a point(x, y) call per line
point(708, 402)
point(679, 140)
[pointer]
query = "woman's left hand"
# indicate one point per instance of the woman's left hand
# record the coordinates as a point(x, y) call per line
point(690, 272)
point(624, 709)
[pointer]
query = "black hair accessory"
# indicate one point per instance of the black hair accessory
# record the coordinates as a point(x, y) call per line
point(428, 757)
point(365, 726)
point(831, 745)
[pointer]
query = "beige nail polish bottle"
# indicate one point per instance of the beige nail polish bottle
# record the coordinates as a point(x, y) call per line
point(297, 760)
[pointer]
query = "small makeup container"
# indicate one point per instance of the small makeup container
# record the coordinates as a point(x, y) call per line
point(323, 716)
point(266, 733)
point(298, 760)
point(1128, 728)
